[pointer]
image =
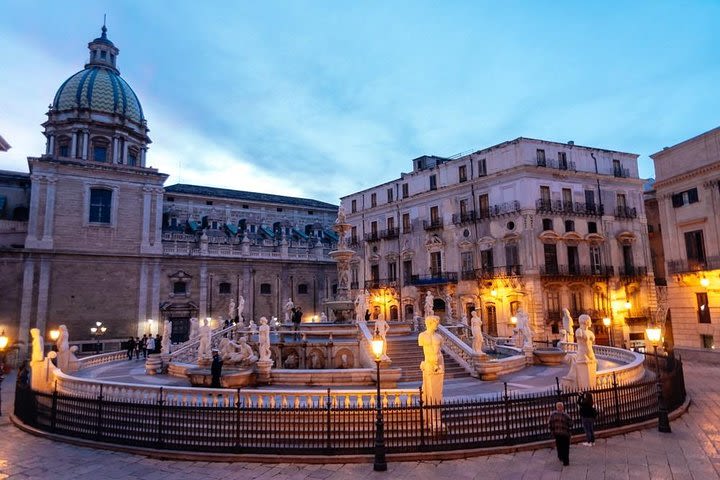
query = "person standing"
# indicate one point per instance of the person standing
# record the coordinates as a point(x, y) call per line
point(143, 345)
point(560, 426)
point(149, 346)
point(137, 348)
point(130, 348)
point(587, 416)
point(296, 319)
point(216, 369)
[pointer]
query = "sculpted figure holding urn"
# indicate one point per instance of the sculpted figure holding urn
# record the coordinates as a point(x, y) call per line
point(433, 366)
point(476, 327)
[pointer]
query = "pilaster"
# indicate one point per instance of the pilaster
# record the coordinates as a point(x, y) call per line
point(26, 306)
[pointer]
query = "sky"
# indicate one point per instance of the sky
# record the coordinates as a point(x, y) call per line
point(321, 99)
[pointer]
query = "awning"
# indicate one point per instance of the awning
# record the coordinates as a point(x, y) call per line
point(332, 235)
point(193, 225)
point(267, 231)
point(232, 228)
point(300, 234)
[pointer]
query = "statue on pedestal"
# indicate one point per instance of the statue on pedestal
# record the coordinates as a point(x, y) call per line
point(567, 331)
point(205, 334)
point(38, 346)
point(264, 339)
point(289, 305)
point(433, 366)
point(583, 368)
point(523, 325)
point(429, 304)
point(240, 308)
point(476, 327)
point(167, 333)
point(231, 310)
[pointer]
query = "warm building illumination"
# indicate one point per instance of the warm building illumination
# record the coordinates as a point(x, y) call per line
point(653, 334)
point(628, 305)
point(493, 292)
point(54, 334)
point(606, 321)
point(378, 345)
point(704, 282)
point(513, 320)
point(93, 330)
point(3, 340)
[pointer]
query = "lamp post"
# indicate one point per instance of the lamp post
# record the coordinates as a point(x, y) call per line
point(3, 345)
point(653, 334)
point(98, 331)
point(608, 324)
point(380, 465)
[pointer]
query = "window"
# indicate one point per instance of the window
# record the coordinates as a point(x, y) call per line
point(433, 182)
point(562, 161)
point(547, 224)
point(279, 209)
point(551, 265)
point(434, 215)
point(353, 206)
point(265, 289)
point(311, 212)
point(389, 195)
point(302, 289)
point(576, 301)
point(435, 263)
point(406, 223)
point(695, 249)
point(707, 341)
point(567, 199)
point(703, 309)
point(545, 194)
point(390, 222)
point(628, 261)
point(573, 260)
point(100, 153)
point(484, 201)
point(590, 199)
point(103, 54)
point(405, 190)
point(374, 273)
point(599, 301)
point(100, 203)
point(592, 227)
point(482, 168)
point(373, 200)
point(511, 258)
point(486, 260)
point(462, 173)
point(468, 262)
point(246, 206)
point(463, 209)
point(617, 168)
point(621, 201)
point(685, 198)
point(392, 271)
point(407, 271)
point(225, 287)
point(353, 235)
point(179, 288)
point(208, 202)
point(595, 262)
point(569, 226)
point(64, 151)
point(132, 158)
point(373, 229)
point(540, 155)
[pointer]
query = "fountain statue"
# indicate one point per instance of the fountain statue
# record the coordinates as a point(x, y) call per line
point(567, 330)
point(433, 366)
point(342, 305)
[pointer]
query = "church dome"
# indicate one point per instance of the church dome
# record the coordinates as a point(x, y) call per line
point(101, 89)
point(98, 86)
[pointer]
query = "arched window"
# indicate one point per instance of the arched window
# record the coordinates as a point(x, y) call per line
point(265, 289)
point(132, 157)
point(100, 205)
point(547, 224)
point(100, 150)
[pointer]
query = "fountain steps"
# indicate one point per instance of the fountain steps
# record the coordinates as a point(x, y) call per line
point(406, 354)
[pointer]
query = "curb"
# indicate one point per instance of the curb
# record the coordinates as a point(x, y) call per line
point(323, 459)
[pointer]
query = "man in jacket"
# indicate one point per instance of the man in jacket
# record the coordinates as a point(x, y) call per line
point(560, 426)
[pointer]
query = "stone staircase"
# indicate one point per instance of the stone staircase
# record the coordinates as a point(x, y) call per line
point(405, 353)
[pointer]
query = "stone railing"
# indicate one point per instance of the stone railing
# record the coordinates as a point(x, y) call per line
point(365, 348)
point(193, 396)
point(187, 352)
point(459, 350)
point(631, 370)
point(220, 250)
point(94, 360)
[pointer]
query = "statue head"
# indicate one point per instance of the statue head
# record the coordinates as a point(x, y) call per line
point(474, 314)
point(243, 339)
point(566, 312)
point(431, 322)
point(585, 320)
point(263, 320)
point(35, 333)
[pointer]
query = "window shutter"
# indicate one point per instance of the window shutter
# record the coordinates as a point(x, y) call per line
point(693, 195)
point(677, 200)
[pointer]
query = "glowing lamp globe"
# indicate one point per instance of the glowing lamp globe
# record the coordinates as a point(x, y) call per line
point(377, 345)
point(3, 340)
point(653, 334)
point(606, 321)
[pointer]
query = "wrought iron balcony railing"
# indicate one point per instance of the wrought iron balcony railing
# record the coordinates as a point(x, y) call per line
point(436, 278)
point(499, 271)
point(464, 217)
point(543, 205)
point(620, 172)
point(632, 271)
point(372, 237)
point(390, 233)
point(576, 271)
point(381, 283)
point(433, 224)
point(552, 163)
point(625, 212)
point(687, 266)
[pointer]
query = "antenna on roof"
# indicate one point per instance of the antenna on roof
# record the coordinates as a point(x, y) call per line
point(104, 18)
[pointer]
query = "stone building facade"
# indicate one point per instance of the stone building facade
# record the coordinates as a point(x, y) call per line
point(530, 223)
point(95, 236)
point(687, 191)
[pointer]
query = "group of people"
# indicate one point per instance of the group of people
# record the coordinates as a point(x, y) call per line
point(145, 345)
point(561, 425)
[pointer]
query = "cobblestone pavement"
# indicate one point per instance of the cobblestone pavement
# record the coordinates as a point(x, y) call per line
point(692, 451)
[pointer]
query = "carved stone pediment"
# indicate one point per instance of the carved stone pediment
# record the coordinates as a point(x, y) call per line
point(391, 256)
point(594, 238)
point(434, 243)
point(549, 237)
point(407, 254)
point(572, 238)
point(465, 244)
point(180, 275)
point(486, 243)
point(626, 237)
point(374, 257)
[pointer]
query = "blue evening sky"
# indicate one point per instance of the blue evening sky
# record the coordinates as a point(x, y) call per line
point(324, 98)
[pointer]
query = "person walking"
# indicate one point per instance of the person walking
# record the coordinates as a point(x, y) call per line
point(588, 413)
point(143, 345)
point(137, 348)
point(130, 348)
point(560, 425)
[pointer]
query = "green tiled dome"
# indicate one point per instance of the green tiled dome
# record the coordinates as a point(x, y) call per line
point(99, 89)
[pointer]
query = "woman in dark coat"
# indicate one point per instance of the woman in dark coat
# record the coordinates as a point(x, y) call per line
point(587, 416)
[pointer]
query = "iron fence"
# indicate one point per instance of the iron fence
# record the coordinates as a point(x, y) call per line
point(326, 427)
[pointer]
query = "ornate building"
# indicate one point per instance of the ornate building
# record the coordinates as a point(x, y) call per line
point(687, 196)
point(100, 239)
point(530, 223)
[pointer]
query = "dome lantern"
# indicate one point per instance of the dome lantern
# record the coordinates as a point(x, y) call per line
point(103, 53)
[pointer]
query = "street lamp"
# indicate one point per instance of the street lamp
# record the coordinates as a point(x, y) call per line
point(98, 331)
point(654, 334)
point(54, 334)
point(380, 465)
point(3, 345)
point(608, 324)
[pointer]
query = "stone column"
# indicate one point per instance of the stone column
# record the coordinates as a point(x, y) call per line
point(125, 151)
point(86, 145)
point(142, 298)
point(202, 310)
point(34, 207)
point(73, 145)
point(26, 306)
point(155, 298)
point(156, 241)
point(51, 145)
point(115, 150)
point(147, 199)
point(142, 156)
point(42, 298)
point(49, 212)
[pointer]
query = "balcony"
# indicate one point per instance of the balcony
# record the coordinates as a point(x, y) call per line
point(689, 266)
point(625, 212)
point(499, 272)
point(620, 172)
point(433, 224)
point(467, 275)
point(576, 271)
point(544, 205)
point(354, 285)
point(464, 217)
point(390, 233)
point(437, 278)
point(353, 242)
point(552, 163)
point(632, 271)
point(381, 283)
point(372, 237)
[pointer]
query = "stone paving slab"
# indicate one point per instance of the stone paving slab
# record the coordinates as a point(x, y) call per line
point(691, 452)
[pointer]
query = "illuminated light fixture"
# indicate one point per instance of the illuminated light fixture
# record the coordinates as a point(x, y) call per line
point(628, 305)
point(704, 282)
point(606, 321)
point(493, 292)
point(378, 345)
point(513, 320)
point(54, 334)
point(3, 340)
point(653, 334)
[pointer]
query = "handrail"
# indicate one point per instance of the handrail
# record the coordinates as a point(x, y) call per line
point(93, 360)
point(185, 351)
point(633, 367)
point(459, 350)
point(365, 347)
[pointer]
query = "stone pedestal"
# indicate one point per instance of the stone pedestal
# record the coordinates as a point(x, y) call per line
point(263, 369)
point(586, 373)
point(528, 350)
point(432, 387)
point(38, 376)
point(204, 362)
point(153, 364)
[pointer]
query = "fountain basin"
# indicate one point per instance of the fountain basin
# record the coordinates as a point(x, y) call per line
point(229, 378)
point(550, 356)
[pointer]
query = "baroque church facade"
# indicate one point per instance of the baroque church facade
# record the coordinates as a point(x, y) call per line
point(92, 234)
